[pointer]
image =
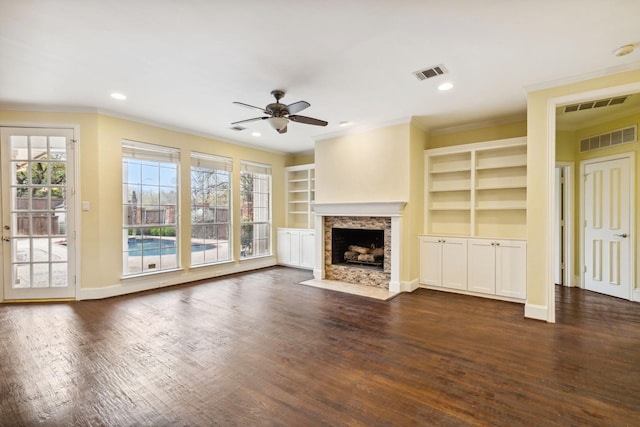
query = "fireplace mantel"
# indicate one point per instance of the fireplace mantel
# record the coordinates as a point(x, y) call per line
point(391, 209)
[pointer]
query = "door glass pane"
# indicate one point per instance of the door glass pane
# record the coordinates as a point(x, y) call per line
point(40, 249)
point(19, 147)
point(40, 275)
point(21, 250)
point(38, 147)
point(58, 147)
point(22, 275)
point(59, 274)
point(21, 224)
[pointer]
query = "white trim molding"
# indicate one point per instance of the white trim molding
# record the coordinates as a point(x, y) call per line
point(391, 209)
point(537, 312)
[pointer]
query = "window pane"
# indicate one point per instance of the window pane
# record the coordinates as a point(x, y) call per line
point(150, 196)
point(210, 219)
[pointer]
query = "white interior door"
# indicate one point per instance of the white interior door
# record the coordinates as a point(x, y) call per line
point(37, 213)
point(559, 230)
point(608, 214)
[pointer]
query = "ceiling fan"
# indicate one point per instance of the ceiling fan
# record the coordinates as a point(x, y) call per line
point(279, 114)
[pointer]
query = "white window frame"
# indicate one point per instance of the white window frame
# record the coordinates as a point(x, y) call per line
point(147, 213)
point(216, 165)
point(248, 249)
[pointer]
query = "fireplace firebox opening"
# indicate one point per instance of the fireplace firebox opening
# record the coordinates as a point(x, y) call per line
point(359, 247)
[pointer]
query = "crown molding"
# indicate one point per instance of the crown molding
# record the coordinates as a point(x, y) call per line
point(139, 120)
point(479, 125)
point(582, 77)
point(365, 127)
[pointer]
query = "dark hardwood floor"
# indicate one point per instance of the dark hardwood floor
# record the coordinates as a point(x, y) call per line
point(259, 349)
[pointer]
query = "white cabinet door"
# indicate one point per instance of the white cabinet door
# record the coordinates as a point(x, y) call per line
point(431, 260)
point(284, 247)
point(307, 245)
point(511, 268)
point(454, 263)
point(482, 266)
point(288, 247)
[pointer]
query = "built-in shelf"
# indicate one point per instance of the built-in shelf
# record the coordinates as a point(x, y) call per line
point(477, 190)
point(300, 193)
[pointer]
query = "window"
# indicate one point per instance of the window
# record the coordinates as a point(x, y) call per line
point(210, 209)
point(150, 207)
point(255, 205)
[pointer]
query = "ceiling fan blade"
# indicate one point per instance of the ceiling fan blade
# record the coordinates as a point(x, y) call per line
point(308, 120)
point(249, 106)
point(296, 107)
point(250, 120)
point(283, 130)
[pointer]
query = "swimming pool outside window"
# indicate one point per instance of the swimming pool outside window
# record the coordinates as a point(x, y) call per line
point(150, 208)
point(210, 209)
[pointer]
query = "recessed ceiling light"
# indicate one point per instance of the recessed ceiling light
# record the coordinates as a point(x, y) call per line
point(256, 134)
point(445, 86)
point(119, 96)
point(345, 123)
point(624, 50)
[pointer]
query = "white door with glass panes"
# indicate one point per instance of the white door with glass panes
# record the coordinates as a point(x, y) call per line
point(608, 210)
point(37, 213)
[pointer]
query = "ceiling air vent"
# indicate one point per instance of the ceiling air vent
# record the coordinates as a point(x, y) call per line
point(428, 73)
point(237, 128)
point(595, 104)
point(616, 137)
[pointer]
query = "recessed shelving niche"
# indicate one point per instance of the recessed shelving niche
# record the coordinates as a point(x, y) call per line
point(477, 190)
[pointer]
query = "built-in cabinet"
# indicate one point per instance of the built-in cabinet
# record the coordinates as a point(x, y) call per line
point(497, 267)
point(296, 247)
point(443, 262)
point(296, 241)
point(486, 267)
point(475, 219)
point(300, 194)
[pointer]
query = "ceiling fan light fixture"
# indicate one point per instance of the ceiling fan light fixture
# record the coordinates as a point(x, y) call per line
point(278, 123)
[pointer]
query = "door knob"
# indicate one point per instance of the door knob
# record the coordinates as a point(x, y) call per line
point(623, 235)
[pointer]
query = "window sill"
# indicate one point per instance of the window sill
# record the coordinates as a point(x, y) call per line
point(133, 277)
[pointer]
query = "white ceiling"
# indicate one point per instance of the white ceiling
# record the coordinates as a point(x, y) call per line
point(183, 63)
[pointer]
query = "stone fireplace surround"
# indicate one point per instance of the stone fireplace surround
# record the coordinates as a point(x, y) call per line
point(358, 214)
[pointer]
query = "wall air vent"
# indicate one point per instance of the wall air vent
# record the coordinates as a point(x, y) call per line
point(616, 137)
point(237, 128)
point(428, 73)
point(595, 104)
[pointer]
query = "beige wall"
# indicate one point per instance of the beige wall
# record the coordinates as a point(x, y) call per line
point(100, 183)
point(365, 167)
point(384, 164)
point(538, 131)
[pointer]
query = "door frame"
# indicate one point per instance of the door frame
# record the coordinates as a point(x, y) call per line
point(632, 215)
point(568, 203)
point(73, 186)
point(552, 104)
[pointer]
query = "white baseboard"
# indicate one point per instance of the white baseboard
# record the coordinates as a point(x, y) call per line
point(409, 286)
point(533, 311)
point(162, 280)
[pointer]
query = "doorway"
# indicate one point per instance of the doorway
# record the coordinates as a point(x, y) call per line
point(552, 105)
point(38, 215)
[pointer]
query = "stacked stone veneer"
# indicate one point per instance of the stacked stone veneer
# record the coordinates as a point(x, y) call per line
point(353, 273)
